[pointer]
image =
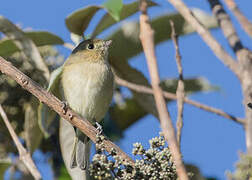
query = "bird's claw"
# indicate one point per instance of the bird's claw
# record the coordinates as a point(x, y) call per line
point(98, 127)
point(64, 107)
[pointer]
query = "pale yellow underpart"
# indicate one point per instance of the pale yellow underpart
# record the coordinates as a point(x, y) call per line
point(88, 88)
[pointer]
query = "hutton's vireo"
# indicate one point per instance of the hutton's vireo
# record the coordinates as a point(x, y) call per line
point(87, 82)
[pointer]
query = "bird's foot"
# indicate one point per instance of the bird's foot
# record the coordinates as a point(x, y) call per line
point(64, 107)
point(98, 127)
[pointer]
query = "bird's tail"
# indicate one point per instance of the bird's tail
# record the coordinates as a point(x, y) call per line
point(81, 150)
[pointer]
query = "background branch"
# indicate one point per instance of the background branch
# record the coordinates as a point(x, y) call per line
point(181, 86)
point(245, 23)
point(147, 40)
point(168, 95)
point(54, 103)
point(207, 37)
point(226, 25)
point(24, 156)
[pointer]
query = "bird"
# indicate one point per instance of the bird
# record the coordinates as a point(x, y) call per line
point(87, 83)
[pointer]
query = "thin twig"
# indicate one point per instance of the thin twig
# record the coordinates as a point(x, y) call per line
point(147, 40)
point(243, 20)
point(24, 156)
point(181, 86)
point(58, 106)
point(168, 95)
point(207, 37)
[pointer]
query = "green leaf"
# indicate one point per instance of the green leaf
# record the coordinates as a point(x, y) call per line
point(64, 174)
point(127, 10)
point(192, 85)
point(33, 134)
point(126, 114)
point(40, 38)
point(126, 41)
point(45, 115)
point(114, 8)
point(78, 21)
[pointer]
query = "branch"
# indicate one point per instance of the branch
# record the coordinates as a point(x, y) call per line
point(24, 156)
point(181, 86)
point(25, 45)
point(250, 105)
point(207, 37)
point(226, 25)
point(54, 103)
point(245, 23)
point(147, 40)
point(168, 95)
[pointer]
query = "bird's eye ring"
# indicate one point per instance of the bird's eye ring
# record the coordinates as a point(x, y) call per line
point(90, 46)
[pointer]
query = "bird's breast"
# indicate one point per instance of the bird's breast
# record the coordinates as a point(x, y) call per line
point(88, 88)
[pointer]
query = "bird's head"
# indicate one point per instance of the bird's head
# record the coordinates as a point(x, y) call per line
point(92, 49)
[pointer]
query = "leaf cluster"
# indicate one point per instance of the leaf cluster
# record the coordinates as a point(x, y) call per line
point(153, 163)
point(243, 168)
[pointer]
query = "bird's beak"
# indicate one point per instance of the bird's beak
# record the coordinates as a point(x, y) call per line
point(108, 43)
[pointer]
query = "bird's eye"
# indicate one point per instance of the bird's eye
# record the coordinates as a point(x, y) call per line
point(90, 46)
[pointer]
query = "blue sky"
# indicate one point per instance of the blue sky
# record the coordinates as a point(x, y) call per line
point(208, 141)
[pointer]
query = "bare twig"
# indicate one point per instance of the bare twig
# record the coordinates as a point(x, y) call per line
point(245, 23)
point(147, 40)
point(24, 156)
point(181, 86)
point(207, 37)
point(25, 44)
point(54, 103)
point(168, 95)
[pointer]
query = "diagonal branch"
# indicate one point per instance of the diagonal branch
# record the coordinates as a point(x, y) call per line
point(207, 37)
point(226, 25)
point(181, 86)
point(55, 104)
point(147, 40)
point(24, 156)
point(168, 95)
point(245, 23)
